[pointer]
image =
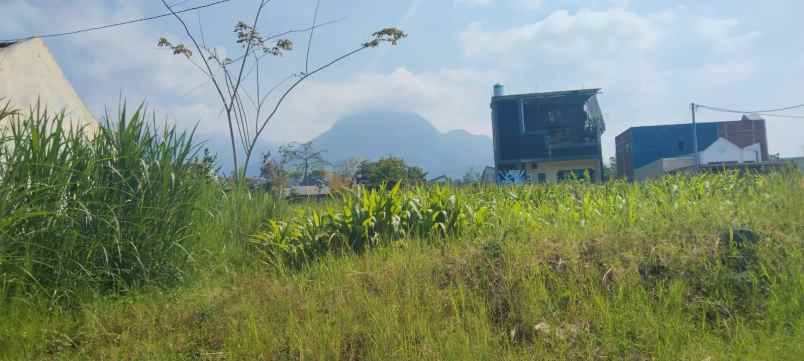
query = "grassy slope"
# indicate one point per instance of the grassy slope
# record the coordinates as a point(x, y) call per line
point(573, 272)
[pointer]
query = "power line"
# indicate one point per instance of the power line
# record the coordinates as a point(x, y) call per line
point(790, 116)
point(750, 111)
point(127, 22)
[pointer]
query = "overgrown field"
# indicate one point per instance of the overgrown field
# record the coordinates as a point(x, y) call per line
point(703, 268)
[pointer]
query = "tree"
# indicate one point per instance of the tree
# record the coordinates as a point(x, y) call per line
point(247, 113)
point(273, 174)
point(610, 170)
point(305, 160)
point(205, 165)
point(389, 170)
point(347, 170)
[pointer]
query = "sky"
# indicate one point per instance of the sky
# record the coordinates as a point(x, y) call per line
point(652, 58)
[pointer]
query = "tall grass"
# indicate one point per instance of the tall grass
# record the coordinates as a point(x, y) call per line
point(651, 271)
point(696, 268)
point(97, 212)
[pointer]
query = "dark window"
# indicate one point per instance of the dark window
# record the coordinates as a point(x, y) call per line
point(537, 116)
point(681, 145)
point(541, 178)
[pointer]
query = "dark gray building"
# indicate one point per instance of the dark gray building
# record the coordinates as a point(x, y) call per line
point(547, 137)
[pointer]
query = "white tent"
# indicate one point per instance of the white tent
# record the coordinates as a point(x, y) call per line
point(29, 73)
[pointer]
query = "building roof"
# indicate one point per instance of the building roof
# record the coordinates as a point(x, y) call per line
point(441, 179)
point(749, 117)
point(554, 94)
point(307, 191)
point(752, 116)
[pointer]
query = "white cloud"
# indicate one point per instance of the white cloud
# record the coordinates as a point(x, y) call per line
point(450, 99)
point(564, 36)
point(120, 61)
point(652, 64)
point(724, 34)
point(126, 59)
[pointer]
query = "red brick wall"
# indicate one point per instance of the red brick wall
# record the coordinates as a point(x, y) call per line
point(746, 132)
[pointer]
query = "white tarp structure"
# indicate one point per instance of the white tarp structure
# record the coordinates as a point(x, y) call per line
point(29, 73)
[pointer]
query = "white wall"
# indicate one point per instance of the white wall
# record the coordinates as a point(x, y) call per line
point(722, 150)
point(661, 166)
point(29, 74)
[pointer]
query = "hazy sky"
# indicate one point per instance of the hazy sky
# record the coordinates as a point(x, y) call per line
point(652, 58)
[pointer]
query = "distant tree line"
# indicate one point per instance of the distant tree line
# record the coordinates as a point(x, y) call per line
point(304, 164)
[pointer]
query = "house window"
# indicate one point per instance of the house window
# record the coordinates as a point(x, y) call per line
point(541, 178)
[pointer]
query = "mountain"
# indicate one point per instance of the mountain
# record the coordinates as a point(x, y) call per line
point(376, 134)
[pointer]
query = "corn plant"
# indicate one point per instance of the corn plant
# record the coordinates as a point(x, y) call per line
point(365, 218)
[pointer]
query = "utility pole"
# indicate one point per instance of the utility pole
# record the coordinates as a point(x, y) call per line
point(693, 108)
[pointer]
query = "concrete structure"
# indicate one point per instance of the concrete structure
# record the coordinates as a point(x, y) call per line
point(29, 74)
point(641, 146)
point(307, 192)
point(741, 168)
point(663, 166)
point(721, 152)
point(547, 137)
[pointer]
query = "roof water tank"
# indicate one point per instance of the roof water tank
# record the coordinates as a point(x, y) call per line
point(499, 90)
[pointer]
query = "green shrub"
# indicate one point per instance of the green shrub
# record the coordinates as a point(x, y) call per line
point(92, 213)
point(365, 218)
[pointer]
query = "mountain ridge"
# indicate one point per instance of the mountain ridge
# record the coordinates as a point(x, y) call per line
point(407, 135)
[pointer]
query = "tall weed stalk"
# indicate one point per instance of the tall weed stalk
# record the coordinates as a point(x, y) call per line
point(83, 212)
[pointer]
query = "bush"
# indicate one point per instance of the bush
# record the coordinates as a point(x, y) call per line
point(95, 212)
point(365, 218)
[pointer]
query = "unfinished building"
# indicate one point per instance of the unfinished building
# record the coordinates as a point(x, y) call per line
point(547, 137)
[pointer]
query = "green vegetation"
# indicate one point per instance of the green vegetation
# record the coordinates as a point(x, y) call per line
point(388, 171)
point(92, 213)
point(703, 268)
